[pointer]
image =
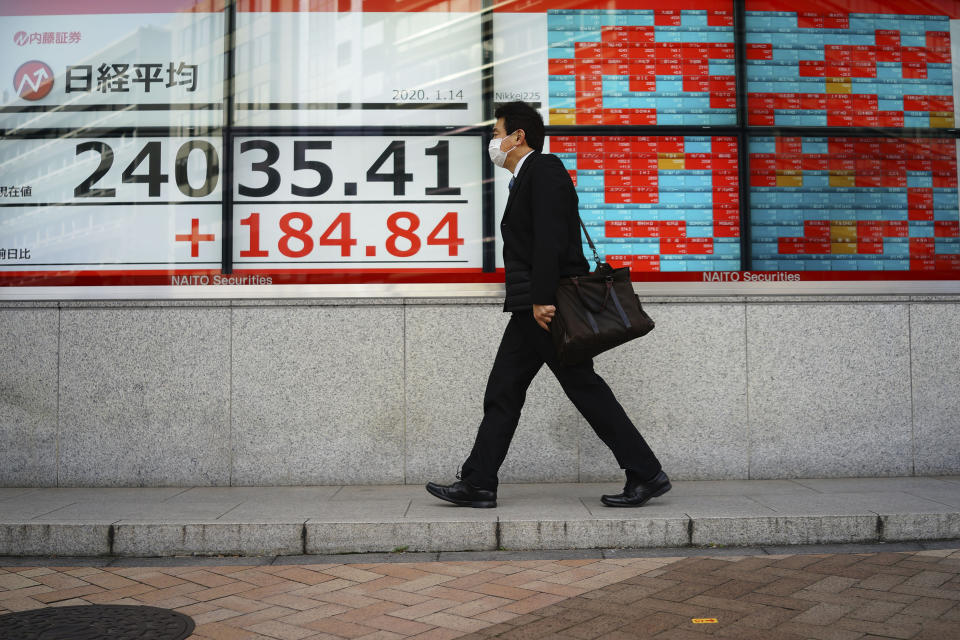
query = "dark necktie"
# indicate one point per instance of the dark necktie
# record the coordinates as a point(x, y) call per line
point(512, 180)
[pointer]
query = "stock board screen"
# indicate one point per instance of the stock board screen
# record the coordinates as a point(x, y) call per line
point(175, 142)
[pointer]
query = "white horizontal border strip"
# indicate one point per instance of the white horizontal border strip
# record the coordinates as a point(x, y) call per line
point(461, 290)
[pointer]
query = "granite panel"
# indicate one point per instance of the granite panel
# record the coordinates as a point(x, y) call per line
point(144, 397)
point(450, 351)
point(829, 390)
point(318, 395)
point(921, 526)
point(28, 397)
point(164, 539)
point(812, 529)
point(54, 538)
point(684, 386)
point(693, 506)
point(364, 537)
point(594, 533)
point(935, 350)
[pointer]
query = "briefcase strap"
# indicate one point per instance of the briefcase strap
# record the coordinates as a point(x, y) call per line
point(596, 256)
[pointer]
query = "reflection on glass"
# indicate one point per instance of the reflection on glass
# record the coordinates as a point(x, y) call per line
point(374, 66)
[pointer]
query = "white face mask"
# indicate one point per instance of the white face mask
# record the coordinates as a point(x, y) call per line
point(497, 156)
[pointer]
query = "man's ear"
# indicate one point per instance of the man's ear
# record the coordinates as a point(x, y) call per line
point(521, 136)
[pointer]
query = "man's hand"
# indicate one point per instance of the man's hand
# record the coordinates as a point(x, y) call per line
point(543, 314)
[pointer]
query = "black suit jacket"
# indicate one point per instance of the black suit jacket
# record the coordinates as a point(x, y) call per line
point(541, 233)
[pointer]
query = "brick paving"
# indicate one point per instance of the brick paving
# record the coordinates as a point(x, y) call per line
point(864, 596)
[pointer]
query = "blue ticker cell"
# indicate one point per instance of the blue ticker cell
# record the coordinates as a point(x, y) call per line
point(913, 41)
point(896, 265)
point(920, 181)
point(943, 199)
point(896, 249)
point(945, 215)
point(593, 218)
point(765, 145)
point(726, 249)
point(765, 265)
point(726, 265)
point(647, 248)
point(949, 246)
point(697, 146)
point(699, 230)
point(585, 182)
point(722, 68)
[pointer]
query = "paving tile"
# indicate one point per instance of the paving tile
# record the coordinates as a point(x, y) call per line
point(905, 594)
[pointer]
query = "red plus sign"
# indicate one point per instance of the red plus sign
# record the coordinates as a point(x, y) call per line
point(194, 237)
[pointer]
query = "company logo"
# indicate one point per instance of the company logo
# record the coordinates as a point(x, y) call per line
point(21, 38)
point(33, 80)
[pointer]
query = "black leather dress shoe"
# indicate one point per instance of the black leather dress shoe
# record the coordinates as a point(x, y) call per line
point(636, 493)
point(463, 495)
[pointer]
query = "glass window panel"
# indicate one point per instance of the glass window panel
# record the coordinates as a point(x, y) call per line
point(854, 204)
point(873, 63)
point(618, 66)
point(658, 204)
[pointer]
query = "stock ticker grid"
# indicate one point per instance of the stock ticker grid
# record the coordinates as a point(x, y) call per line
point(817, 203)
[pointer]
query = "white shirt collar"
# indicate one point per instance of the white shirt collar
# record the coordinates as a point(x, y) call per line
point(516, 169)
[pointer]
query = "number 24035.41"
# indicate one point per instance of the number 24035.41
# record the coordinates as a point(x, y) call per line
point(403, 242)
point(395, 151)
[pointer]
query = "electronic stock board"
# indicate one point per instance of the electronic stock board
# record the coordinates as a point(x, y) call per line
point(181, 143)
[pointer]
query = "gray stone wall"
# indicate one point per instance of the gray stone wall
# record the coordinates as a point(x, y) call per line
point(389, 391)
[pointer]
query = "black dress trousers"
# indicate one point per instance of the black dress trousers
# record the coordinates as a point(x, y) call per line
point(524, 348)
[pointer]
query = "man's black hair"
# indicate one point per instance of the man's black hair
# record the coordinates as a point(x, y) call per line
point(520, 115)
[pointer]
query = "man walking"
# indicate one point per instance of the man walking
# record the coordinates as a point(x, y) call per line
point(541, 243)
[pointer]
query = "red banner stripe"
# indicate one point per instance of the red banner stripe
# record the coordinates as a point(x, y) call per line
point(102, 7)
point(903, 7)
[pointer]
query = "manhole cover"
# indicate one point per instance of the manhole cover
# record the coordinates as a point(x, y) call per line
point(96, 622)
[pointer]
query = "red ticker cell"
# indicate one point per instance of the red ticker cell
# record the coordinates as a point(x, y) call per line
point(947, 262)
point(668, 18)
point(816, 230)
point(875, 248)
point(759, 51)
point(762, 117)
point(886, 53)
point(914, 70)
point(922, 247)
point(896, 230)
point(889, 38)
point(726, 229)
point(723, 101)
point(645, 263)
point(938, 40)
point(719, 18)
point(724, 144)
point(723, 83)
point(618, 229)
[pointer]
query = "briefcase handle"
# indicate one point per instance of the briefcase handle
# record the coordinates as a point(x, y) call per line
point(606, 295)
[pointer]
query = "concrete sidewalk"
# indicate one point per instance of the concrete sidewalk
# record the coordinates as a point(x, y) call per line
point(265, 521)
